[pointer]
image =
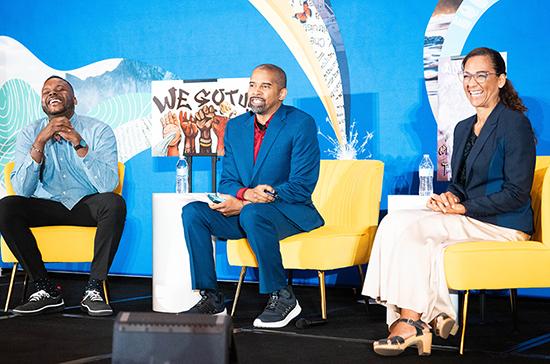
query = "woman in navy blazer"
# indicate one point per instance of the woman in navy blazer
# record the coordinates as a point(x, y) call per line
point(488, 199)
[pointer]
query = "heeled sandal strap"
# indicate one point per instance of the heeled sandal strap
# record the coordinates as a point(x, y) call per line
point(394, 340)
point(418, 325)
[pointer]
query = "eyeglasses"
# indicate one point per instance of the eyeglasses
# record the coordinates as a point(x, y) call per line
point(480, 76)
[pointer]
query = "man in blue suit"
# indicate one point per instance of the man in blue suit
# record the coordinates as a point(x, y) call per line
point(270, 169)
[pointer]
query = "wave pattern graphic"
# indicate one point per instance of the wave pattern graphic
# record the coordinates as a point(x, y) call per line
point(116, 91)
point(19, 106)
point(121, 109)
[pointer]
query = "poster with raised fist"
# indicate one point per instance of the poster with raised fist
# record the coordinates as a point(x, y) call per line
point(190, 117)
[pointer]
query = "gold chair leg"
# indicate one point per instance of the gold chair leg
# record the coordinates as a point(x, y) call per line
point(238, 292)
point(321, 275)
point(10, 287)
point(105, 292)
point(464, 317)
point(361, 274)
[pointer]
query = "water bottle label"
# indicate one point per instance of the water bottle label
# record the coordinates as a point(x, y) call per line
point(424, 172)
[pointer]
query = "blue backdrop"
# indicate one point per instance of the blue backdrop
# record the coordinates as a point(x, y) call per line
point(201, 39)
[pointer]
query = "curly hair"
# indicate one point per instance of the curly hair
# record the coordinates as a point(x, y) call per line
point(508, 94)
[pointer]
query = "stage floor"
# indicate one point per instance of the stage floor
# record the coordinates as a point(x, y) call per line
point(74, 337)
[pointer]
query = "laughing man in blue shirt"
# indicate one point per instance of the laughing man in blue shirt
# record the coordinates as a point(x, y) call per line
point(65, 172)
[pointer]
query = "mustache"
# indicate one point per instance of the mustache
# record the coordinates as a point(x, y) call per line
point(257, 98)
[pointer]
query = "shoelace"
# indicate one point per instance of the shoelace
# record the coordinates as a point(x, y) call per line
point(204, 304)
point(93, 295)
point(204, 298)
point(276, 305)
point(273, 300)
point(37, 296)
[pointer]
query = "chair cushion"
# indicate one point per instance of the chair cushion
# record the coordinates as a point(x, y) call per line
point(497, 265)
point(60, 244)
point(325, 248)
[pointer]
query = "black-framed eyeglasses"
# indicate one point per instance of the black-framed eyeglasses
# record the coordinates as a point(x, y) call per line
point(480, 76)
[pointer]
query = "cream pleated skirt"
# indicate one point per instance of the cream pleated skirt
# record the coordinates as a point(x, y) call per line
point(406, 264)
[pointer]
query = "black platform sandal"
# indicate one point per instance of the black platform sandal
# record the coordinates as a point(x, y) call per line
point(395, 345)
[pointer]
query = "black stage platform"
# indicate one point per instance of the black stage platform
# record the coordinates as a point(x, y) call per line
point(73, 337)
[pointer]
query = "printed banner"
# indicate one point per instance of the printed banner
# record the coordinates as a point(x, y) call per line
point(190, 117)
point(447, 31)
point(309, 29)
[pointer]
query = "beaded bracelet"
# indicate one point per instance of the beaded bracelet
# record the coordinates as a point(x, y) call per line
point(36, 149)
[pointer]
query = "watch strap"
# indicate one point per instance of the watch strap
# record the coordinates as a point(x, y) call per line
point(80, 145)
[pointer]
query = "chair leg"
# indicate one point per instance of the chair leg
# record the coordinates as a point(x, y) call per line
point(357, 292)
point(238, 292)
point(361, 274)
point(514, 305)
point(321, 275)
point(10, 287)
point(464, 317)
point(105, 293)
point(482, 306)
point(290, 276)
point(25, 287)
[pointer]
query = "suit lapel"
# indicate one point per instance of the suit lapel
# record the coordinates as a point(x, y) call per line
point(458, 150)
point(486, 131)
point(275, 126)
point(246, 150)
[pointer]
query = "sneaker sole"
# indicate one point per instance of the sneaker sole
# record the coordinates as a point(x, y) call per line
point(278, 324)
point(46, 309)
point(96, 313)
point(224, 312)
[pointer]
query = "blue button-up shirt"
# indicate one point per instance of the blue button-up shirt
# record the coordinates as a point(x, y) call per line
point(65, 176)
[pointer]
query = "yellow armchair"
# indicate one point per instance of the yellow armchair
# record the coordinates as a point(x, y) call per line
point(348, 197)
point(499, 265)
point(56, 243)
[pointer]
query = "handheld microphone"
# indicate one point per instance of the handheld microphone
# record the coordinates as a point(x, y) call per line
point(305, 323)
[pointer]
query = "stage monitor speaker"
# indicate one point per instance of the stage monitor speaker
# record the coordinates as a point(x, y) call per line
point(147, 337)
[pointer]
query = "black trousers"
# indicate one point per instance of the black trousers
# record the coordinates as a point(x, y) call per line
point(18, 214)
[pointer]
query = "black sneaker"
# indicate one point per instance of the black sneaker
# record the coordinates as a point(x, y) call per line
point(41, 302)
point(281, 308)
point(211, 303)
point(93, 304)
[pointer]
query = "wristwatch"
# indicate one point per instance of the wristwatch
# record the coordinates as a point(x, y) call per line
point(80, 145)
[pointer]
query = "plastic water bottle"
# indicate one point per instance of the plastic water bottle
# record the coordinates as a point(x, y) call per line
point(426, 173)
point(182, 172)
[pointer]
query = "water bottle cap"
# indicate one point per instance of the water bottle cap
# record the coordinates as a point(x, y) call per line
point(426, 155)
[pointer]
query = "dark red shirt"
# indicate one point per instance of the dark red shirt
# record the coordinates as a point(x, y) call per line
point(259, 133)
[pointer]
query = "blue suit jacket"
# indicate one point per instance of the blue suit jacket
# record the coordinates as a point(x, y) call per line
point(499, 169)
point(288, 160)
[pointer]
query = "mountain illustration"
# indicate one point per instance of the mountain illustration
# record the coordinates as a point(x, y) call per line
point(127, 78)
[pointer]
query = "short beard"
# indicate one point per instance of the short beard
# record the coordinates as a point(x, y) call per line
point(63, 111)
point(258, 109)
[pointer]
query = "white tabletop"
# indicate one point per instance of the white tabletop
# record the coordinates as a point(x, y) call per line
point(171, 274)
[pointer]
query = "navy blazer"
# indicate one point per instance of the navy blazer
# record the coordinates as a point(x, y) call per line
point(288, 160)
point(499, 169)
